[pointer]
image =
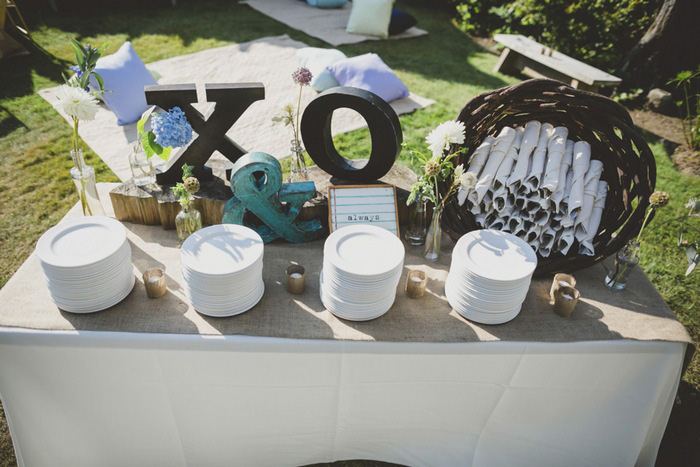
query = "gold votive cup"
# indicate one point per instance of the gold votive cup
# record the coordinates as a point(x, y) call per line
point(565, 300)
point(154, 280)
point(561, 280)
point(296, 282)
point(415, 283)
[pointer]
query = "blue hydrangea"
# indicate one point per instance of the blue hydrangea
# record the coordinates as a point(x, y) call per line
point(171, 128)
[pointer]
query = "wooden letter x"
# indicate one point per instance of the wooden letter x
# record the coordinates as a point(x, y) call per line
point(231, 101)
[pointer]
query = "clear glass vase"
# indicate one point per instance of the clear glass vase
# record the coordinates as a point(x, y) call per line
point(187, 221)
point(142, 169)
point(625, 261)
point(433, 241)
point(298, 171)
point(83, 176)
point(417, 227)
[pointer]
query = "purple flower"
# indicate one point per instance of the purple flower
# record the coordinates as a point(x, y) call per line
point(78, 72)
point(302, 76)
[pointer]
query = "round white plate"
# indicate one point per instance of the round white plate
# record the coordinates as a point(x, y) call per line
point(81, 241)
point(113, 261)
point(223, 312)
point(495, 255)
point(105, 304)
point(364, 250)
point(221, 250)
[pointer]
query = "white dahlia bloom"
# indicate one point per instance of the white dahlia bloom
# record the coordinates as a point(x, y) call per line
point(77, 102)
point(449, 132)
point(467, 184)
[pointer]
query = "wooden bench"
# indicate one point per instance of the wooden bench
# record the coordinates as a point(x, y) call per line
point(533, 59)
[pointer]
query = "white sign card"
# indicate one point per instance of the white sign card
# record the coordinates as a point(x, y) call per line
point(363, 204)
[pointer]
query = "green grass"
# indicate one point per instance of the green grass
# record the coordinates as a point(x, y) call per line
point(36, 190)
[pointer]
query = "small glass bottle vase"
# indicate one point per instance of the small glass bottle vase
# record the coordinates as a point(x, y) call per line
point(298, 171)
point(187, 221)
point(625, 261)
point(83, 176)
point(433, 241)
point(417, 227)
point(142, 169)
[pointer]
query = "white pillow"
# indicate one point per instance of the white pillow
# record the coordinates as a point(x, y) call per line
point(370, 17)
point(316, 60)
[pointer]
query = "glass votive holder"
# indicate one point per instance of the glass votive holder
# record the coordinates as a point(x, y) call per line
point(561, 280)
point(154, 280)
point(565, 300)
point(296, 282)
point(415, 283)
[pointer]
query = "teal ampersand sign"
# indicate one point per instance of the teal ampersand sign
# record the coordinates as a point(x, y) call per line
point(256, 183)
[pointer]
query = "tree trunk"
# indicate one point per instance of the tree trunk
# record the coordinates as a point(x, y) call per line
point(668, 46)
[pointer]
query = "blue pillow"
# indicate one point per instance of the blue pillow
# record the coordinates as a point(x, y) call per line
point(327, 3)
point(369, 72)
point(125, 76)
point(324, 80)
point(400, 22)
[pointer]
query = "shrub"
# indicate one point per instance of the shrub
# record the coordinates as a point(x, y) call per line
point(598, 32)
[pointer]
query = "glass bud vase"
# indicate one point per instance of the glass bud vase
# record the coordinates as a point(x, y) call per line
point(187, 221)
point(433, 241)
point(83, 176)
point(142, 169)
point(417, 227)
point(298, 172)
point(625, 261)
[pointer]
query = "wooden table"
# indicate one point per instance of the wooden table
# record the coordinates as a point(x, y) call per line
point(522, 54)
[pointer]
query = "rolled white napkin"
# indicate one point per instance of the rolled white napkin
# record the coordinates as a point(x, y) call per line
point(480, 219)
point(565, 240)
point(532, 182)
point(555, 152)
point(564, 203)
point(505, 169)
point(547, 238)
point(500, 198)
point(480, 155)
point(476, 164)
point(542, 217)
point(531, 134)
point(564, 166)
point(515, 223)
point(582, 158)
point(586, 247)
point(498, 223)
point(533, 233)
point(499, 148)
point(590, 191)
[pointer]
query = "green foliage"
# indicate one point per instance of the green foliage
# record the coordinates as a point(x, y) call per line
point(148, 139)
point(689, 82)
point(628, 97)
point(179, 190)
point(598, 32)
point(86, 58)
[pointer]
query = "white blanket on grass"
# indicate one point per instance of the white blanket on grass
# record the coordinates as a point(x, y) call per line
point(269, 60)
point(327, 24)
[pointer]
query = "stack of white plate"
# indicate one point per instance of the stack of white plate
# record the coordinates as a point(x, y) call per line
point(362, 266)
point(222, 269)
point(86, 263)
point(490, 276)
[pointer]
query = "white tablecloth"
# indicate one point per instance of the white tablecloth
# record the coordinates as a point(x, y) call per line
point(136, 399)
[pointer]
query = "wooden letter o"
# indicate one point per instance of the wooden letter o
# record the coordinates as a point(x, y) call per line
point(384, 129)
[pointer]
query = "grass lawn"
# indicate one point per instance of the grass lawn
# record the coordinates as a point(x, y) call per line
point(36, 190)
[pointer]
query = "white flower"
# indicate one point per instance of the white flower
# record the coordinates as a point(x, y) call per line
point(469, 180)
point(449, 132)
point(76, 102)
point(467, 184)
point(692, 204)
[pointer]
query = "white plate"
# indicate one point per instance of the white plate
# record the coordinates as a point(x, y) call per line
point(221, 250)
point(353, 310)
point(81, 242)
point(364, 251)
point(105, 304)
point(496, 256)
point(478, 316)
point(223, 312)
point(87, 272)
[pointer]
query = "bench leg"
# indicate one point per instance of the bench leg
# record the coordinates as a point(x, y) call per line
point(506, 62)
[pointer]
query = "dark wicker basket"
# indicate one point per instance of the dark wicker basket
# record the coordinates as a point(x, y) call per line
point(629, 167)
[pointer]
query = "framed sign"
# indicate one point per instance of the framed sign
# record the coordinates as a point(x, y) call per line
point(363, 204)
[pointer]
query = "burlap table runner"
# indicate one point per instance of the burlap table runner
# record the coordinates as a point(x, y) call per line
point(637, 313)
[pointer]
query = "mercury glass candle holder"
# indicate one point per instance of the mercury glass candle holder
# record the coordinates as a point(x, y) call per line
point(154, 281)
point(415, 283)
point(561, 280)
point(296, 282)
point(565, 301)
